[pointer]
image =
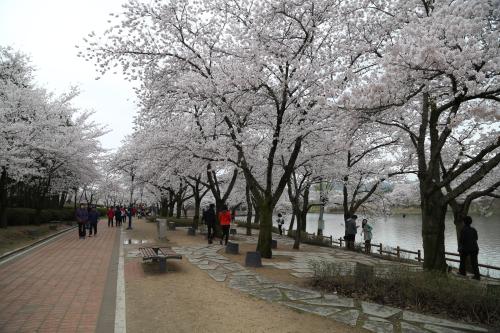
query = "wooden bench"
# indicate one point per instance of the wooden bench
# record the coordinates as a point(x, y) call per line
point(160, 254)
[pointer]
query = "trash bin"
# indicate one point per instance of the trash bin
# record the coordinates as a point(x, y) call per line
point(161, 225)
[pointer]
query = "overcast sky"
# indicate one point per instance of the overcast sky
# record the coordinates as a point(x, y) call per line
point(48, 30)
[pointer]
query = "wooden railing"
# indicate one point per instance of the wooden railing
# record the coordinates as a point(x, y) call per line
point(331, 242)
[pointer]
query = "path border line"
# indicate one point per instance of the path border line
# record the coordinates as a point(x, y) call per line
point(5, 258)
point(120, 313)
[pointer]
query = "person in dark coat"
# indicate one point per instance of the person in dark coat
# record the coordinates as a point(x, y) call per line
point(118, 216)
point(93, 219)
point(82, 218)
point(210, 220)
point(467, 247)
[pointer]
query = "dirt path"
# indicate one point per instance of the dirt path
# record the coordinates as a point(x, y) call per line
point(186, 299)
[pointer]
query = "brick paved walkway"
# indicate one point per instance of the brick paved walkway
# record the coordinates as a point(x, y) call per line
point(58, 287)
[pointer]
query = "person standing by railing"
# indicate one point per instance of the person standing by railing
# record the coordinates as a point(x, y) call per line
point(367, 234)
point(351, 230)
point(467, 247)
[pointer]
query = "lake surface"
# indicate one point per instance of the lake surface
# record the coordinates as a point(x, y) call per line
point(407, 233)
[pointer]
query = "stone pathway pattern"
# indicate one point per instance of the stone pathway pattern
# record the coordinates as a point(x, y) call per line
point(373, 317)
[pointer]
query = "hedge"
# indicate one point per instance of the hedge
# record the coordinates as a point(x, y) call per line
point(26, 216)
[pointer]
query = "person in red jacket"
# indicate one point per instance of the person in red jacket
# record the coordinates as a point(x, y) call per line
point(111, 215)
point(225, 223)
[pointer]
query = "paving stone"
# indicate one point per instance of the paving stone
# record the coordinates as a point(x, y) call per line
point(221, 261)
point(319, 310)
point(192, 260)
point(408, 328)
point(234, 267)
point(244, 288)
point(337, 302)
point(378, 325)
point(208, 267)
point(271, 295)
point(441, 329)
point(302, 275)
point(298, 295)
point(195, 256)
point(303, 270)
point(419, 318)
point(289, 286)
point(378, 310)
point(243, 273)
point(219, 277)
point(263, 279)
point(349, 317)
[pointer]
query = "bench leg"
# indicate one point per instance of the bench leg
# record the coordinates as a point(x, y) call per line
point(163, 265)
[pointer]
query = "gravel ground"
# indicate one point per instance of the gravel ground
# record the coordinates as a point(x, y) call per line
point(186, 299)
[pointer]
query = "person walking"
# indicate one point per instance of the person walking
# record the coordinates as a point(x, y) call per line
point(111, 215)
point(93, 219)
point(367, 234)
point(118, 216)
point(82, 218)
point(351, 230)
point(130, 212)
point(123, 214)
point(280, 221)
point(209, 219)
point(467, 247)
point(225, 223)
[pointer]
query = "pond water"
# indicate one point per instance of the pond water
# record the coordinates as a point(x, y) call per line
point(407, 233)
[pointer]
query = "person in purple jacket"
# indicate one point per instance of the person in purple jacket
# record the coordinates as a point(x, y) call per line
point(93, 219)
point(82, 218)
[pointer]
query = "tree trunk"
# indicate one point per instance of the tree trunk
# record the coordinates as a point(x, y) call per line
point(290, 227)
point(303, 225)
point(171, 203)
point(296, 243)
point(433, 224)
point(196, 217)
point(256, 219)
point(3, 198)
point(265, 208)
point(178, 206)
point(164, 206)
point(249, 210)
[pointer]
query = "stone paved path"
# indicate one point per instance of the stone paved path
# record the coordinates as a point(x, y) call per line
point(57, 287)
point(373, 317)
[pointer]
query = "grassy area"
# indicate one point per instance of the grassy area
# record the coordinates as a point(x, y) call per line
point(427, 292)
point(15, 237)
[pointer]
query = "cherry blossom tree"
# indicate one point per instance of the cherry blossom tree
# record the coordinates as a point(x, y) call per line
point(436, 68)
point(266, 70)
point(46, 145)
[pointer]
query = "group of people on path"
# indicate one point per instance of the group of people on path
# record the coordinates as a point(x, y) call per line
point(87, 219)
point(209, 217)
point(119, 214)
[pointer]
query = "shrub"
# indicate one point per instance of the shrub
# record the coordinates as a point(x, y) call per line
point(102, 211)
point(181, 222)
point(428, 292)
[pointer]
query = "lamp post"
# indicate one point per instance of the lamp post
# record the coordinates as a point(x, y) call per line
point(132, 176)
